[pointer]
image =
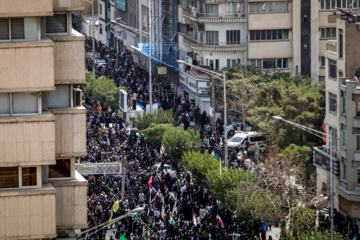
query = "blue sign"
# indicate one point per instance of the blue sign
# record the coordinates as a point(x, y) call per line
point(121, 4)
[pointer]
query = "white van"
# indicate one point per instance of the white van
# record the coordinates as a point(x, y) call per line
point(239, 140)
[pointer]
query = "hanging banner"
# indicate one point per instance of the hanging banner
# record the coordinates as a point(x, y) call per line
point(98, 168)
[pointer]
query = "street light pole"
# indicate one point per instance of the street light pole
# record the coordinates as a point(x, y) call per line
point(150, 75)
point(93, 40)
point(225, 124)
point(321, 135)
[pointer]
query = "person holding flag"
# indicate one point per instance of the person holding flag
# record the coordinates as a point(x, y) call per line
point(220, 221)
point(114, 209)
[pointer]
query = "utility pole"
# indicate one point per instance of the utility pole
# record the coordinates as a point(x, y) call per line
point(150, 75)
point(93, 40)
point(123, 182)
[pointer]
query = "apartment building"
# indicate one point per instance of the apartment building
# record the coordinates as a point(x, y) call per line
point(342, 74)
point(106, 13)
point(211, 34)
point(42, 122)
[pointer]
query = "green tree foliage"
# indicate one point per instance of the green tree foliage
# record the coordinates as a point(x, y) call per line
point(199, 164)
point(300, 156)
point(161, 116)
point(302, 222)
point(103, 90)
point(176, 141)
point(254, 204)
point(316, 234)
point(294, 99)
point(155, 132)
point(222, 184)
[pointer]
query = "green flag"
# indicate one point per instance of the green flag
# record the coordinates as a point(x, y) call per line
point(122, 237)
point(216, 155)
point(134, 214)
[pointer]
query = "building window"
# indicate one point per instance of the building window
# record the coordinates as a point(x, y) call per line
point(269, 35)
point(271, 63)
point(101, 9)
point(341, 43)
point(327, 4)
point(333, 132)
point(233, 10)
point(321, 79)
point(332, 69)
point(269, 7)
point(332, 103)
point(212, 10)
point(358, 142)
point(328, 32)
point(322, 62)
point(18, 177)
point(56, 24)
point(344, 139)
point(343, 99)
point(212, 38)
point(233, 37)
point(19, 103)
point(60, 98)
point(62, 169)
point(358, 175)
point(18, 29)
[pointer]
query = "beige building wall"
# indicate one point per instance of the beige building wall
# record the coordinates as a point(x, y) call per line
point(23, 8)
point(27, 140)
point(28, 214)
point(70, 132)
point(27, 66)
point(68, 5)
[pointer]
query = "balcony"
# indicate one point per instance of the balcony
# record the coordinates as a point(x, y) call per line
point(331, 46)
point(25, 8)
point(71, 203)
point(28, 213)
point(70, 132)
point(201, 17)
point(217, 47)
point(27, 66)
point(69, 5)
point(27, 140)
point(356, 122)
point(69, 58)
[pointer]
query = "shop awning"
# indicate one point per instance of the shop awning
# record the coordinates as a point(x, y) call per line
point(143, 48)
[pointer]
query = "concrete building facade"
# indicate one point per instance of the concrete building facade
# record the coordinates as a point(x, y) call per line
point(342, 74)
point(42, 121)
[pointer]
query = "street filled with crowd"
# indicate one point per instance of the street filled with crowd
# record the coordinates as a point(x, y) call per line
point(180, 207)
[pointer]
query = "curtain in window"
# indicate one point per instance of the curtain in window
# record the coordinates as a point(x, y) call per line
point(17, 28)
point(4, 29)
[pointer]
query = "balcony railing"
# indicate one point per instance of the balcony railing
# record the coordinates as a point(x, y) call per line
point(214, 46)
point(208, 15)
point(331, 46)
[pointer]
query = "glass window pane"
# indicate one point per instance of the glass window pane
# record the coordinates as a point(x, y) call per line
point(30, 28)
point(268, 33)
point(61, 169)
point(278, 63)
point(60, 98)
point(4, 103)
point(29, 176)
point(269, 63)
point(17, 28)
point(56, 23)
point(263, 34)
point(9, 177)
point(24, 103)
point(274, 34)
point(4, 29)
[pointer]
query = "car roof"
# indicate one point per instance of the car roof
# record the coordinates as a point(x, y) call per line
point(245, 134)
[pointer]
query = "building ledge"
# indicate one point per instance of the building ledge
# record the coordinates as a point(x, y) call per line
point(72, 110)
point(47, 189)
point(353, 196)
point(27, 44)
point(44, 117)
point(78, 181)
point(75, 36)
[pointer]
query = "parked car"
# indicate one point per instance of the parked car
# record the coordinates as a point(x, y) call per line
point(167, 169)
point(237, 127)
point(130, 130)
point(239, 140)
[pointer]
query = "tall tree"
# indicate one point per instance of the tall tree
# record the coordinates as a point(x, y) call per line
point(161, 116)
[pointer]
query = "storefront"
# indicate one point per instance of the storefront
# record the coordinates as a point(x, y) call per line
point(123, 40)
point(196, 90)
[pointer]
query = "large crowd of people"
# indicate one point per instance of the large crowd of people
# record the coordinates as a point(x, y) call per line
point(175, 208)
point(174, 200)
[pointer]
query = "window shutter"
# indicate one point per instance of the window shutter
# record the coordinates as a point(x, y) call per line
point(4, 29)
point(17, 28)
point(56, 24)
